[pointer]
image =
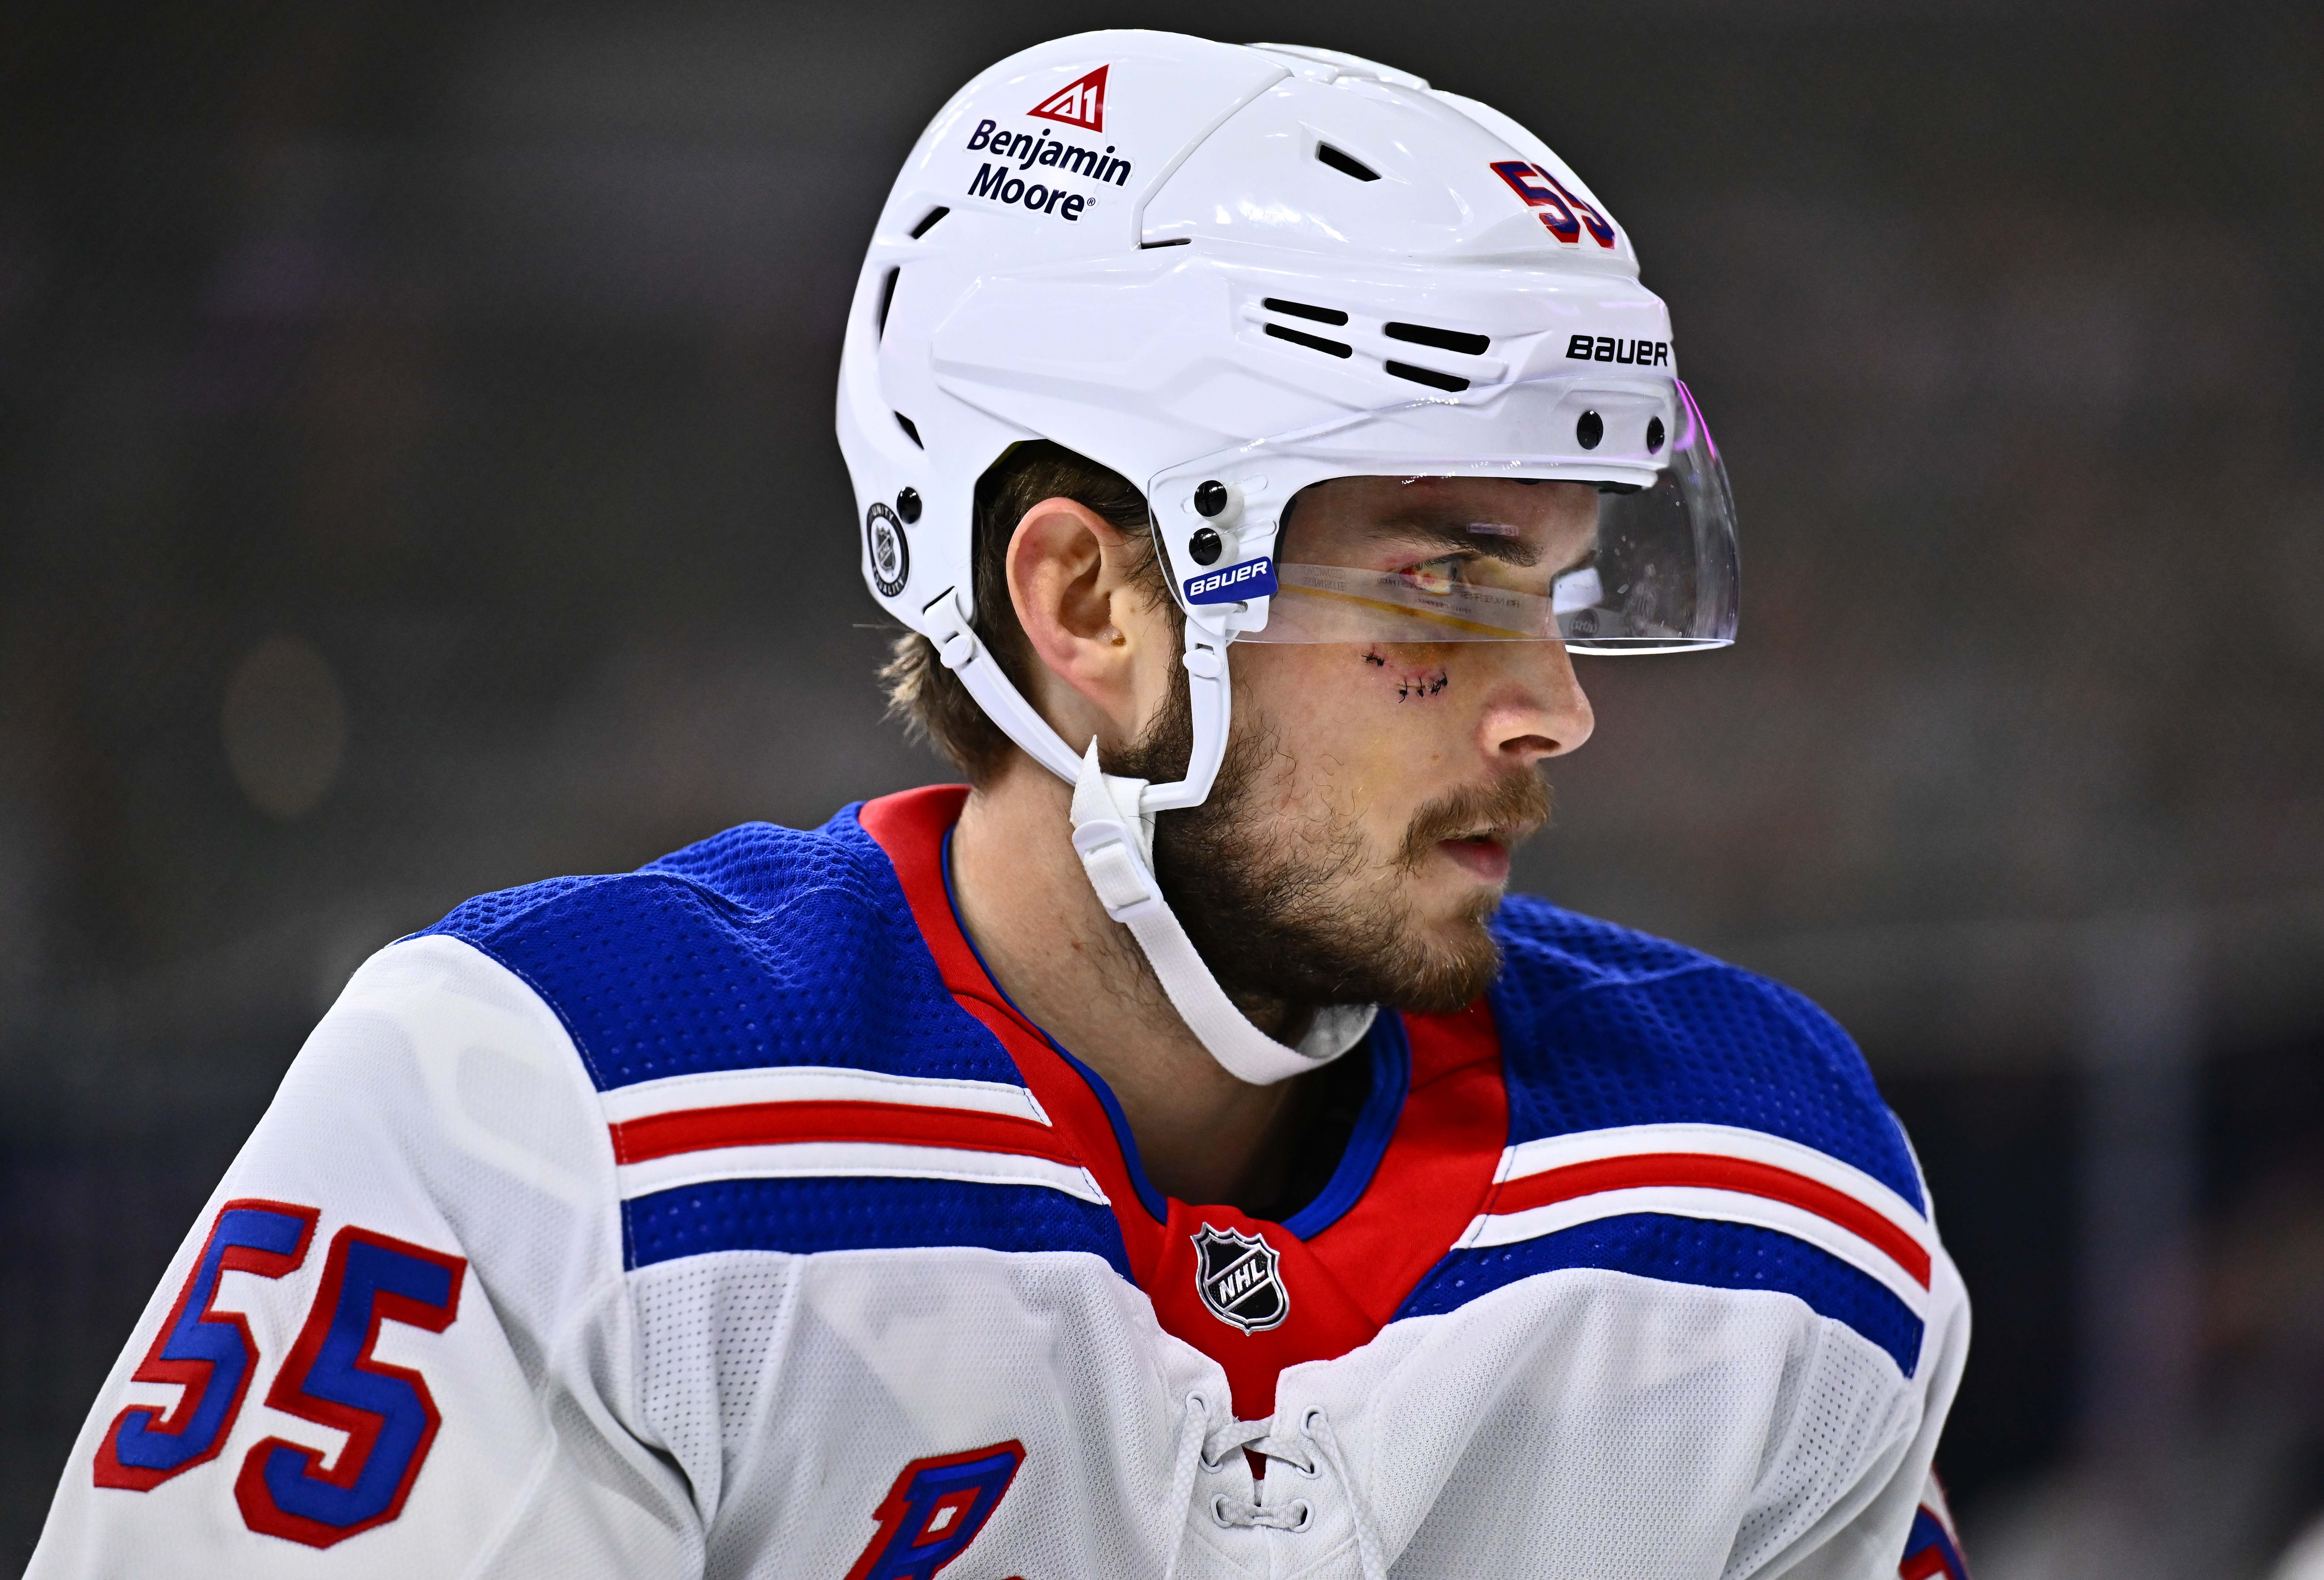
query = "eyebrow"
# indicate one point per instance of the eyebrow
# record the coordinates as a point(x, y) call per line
point(1430, 528)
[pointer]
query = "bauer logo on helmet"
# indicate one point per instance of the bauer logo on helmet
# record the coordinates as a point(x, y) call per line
point(1253, 578)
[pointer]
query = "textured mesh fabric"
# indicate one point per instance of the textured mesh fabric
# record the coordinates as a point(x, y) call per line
point(1684, 1250)
point(1593, 1423)
point(760, 946)
point(1603, 1026)
point(818, 1378)
point(711, 1327)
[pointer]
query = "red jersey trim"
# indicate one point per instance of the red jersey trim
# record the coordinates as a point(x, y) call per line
point(1717, 1173)
point(661, 1135)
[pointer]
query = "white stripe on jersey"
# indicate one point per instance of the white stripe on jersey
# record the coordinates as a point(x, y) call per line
point(801, 1160)
point(1793, 1212)
point(1719, 1141)
point(1722, 1205)
point(812, 1083)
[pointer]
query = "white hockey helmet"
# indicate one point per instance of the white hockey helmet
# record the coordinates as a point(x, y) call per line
point(1228, 274)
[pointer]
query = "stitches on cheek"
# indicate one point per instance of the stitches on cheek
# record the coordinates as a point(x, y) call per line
point(1422, 687)
point(1418, 685)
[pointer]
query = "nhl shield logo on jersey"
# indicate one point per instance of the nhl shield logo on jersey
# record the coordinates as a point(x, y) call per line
point(1238, 1277)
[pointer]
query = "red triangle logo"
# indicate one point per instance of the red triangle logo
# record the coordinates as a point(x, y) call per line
point(1081, 103)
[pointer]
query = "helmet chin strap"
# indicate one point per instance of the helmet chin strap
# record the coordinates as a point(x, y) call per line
point(1113, 833)
point(1115, 838)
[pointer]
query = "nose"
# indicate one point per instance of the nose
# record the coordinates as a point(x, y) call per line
point(1537, 710)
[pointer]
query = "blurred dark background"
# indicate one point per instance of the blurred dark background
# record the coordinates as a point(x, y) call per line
point(416, 478)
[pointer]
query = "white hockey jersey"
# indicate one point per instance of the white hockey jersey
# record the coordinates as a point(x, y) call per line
point(724, 1219)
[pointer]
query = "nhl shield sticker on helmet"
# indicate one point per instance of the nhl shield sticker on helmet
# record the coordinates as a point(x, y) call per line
point(1240, 1279)
point(1079, 103)
point(883, 540)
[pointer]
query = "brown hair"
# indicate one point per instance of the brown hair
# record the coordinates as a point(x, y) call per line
point(929, 698)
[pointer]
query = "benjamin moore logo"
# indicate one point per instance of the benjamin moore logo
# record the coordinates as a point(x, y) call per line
point(1042, 160)
point(1081, 103)
point(1251, 579)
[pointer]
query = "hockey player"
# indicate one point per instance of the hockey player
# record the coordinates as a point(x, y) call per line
point(1170, 1155)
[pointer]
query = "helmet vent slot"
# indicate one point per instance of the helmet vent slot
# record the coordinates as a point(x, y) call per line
point(887, 299)
point(911, 430)
point(1428, 376)
point(929, 222)
point(1302, 311)
point(1347, 164)
point(1317, 342)
point(1442, 339)
point(1173, 242)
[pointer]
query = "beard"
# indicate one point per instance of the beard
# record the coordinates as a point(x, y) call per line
point(1292, 911)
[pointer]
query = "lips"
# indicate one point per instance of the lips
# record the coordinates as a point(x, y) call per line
point(1477, 826)
point(1483, 857)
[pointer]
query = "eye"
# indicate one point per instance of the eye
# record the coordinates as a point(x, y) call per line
point(1436, 577)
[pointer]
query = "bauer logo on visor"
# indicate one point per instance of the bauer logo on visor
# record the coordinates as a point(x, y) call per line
point(1253, 578)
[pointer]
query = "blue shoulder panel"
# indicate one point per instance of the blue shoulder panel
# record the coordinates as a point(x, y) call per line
point(770, 946)
point(760, 946)
point(1601, 1026)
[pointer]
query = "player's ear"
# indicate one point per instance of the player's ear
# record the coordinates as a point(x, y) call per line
point(1073, 581)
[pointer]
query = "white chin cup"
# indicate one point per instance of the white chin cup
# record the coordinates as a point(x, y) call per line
point(1113, 831)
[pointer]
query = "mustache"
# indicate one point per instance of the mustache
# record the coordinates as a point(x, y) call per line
point(1511, 809)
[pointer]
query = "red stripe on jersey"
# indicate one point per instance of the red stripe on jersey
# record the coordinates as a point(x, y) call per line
point(661, 1135)
point(1704, 1172)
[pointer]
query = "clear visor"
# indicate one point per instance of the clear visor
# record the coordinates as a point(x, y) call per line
point(1419, 558)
